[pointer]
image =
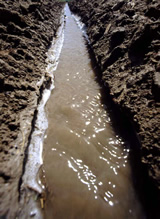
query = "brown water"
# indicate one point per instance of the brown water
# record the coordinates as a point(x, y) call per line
point(86, 166)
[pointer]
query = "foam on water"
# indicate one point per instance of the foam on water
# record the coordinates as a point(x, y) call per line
point(34, 159)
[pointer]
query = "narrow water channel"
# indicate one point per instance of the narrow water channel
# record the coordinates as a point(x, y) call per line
point(86, 168)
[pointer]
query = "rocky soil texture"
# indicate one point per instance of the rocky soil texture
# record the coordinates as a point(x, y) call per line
point(125, 38)
point(27, 28)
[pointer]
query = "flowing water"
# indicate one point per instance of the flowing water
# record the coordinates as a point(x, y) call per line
point(86, 168)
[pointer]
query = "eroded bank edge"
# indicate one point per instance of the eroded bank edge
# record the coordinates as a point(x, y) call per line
point(29, 187)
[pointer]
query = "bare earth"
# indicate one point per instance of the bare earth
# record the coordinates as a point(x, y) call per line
point(27, 28)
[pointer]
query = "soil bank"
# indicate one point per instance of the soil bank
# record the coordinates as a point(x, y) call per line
point(27, 29)
point(124, 36)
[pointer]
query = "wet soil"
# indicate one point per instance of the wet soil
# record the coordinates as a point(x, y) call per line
point(124, 36)
point(27, 29)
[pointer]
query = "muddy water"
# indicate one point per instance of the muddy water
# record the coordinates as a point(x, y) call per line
point(86, 168)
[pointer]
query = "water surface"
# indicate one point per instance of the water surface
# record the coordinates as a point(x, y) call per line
point(86, 168)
